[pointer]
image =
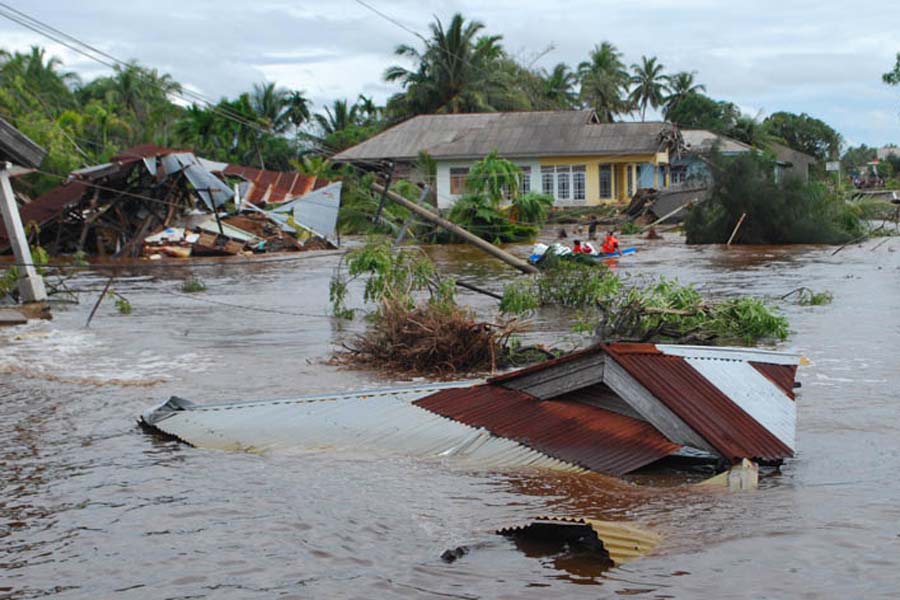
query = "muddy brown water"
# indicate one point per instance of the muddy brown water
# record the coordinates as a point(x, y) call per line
point(93, 507)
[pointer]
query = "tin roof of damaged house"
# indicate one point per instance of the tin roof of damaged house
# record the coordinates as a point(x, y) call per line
point(609, 408)
point(719, 394)
point(47, 207)
point(512, 134)
point(273, 187)
point(571, 431)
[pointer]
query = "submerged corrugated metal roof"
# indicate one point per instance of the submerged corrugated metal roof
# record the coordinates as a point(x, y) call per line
point(46, 207)
point(571, 431)
point(733, 406)
point(373, 421)
point(512, 134)
point(623, 542)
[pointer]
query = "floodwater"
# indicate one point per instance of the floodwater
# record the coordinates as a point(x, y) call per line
point(91, 506)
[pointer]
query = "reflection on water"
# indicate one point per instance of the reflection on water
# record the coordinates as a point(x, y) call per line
point(92, 507)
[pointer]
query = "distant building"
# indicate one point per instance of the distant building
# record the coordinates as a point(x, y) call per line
point(886, 151)
point(569, 155)
point(690, 168)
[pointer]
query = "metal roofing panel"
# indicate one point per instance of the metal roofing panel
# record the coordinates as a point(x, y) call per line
point(701, 405)
point(574, 432)
point(47, 206)
point(317, 210)
point(274, 187)
point(730, 353)
point(379, 420)
point(754, 393)
point(781, 375)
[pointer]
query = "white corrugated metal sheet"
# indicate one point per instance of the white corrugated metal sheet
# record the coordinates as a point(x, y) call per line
point(381, 421)
point(731, 353)
point(754, 393)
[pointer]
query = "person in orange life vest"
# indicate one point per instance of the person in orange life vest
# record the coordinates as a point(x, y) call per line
point(576, 248)
point(611, 244)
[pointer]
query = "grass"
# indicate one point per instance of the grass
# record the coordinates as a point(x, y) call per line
point(192, 286)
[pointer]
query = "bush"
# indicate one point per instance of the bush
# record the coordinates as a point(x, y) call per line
point(789, 211)
point(476, 214)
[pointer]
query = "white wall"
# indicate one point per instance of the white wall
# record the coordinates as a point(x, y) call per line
point(445, 199)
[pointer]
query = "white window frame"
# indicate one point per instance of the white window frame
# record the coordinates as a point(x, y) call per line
point(548, 183)
point(600, 171)
point(525, 181)
point(579, 183)
point(563, 182)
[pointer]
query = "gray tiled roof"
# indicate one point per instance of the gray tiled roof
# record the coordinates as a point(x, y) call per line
point(512, 134)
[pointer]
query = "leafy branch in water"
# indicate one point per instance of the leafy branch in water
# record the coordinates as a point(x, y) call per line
point(417, 326)
point(663, 310)
point(807, 297)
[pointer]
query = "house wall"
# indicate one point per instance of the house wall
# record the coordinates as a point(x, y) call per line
point(647, 170)
point(445, 199)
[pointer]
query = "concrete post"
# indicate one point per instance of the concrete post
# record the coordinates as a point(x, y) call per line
point(31, 285)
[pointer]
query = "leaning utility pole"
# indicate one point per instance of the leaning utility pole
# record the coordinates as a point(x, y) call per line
point(476, 241)
point(15, 147)
point(31, 285)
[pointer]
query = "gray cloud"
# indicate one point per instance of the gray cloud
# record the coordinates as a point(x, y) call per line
point(803, 56)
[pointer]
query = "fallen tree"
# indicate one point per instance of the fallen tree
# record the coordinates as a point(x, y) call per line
point(778, 210)
point(660, 310)
point(417, 327)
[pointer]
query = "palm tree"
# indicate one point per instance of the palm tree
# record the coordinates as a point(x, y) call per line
point(297, 108)
point(339, 116)
point(559, 86)
point(452, 73)
point(604, 81)
point(649, 82)
point(678, 86)
point(270, 104)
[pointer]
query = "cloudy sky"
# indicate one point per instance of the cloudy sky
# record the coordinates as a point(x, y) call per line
point(821, 57)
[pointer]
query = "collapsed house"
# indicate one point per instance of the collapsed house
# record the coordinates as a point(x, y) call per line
point(611, 408)
point(155, 201)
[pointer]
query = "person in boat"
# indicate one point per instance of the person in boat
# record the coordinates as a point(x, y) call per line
point(585, 248)
point(611, 244)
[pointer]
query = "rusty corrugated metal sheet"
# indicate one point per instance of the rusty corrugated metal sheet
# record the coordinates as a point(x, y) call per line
point(47, 206)
point(143, 151)
point(577, 433)
point(699, 403)
point(274, 187)
point(781, 375)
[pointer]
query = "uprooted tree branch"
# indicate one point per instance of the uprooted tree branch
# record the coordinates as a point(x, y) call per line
point(662, 310)
point(417, 326)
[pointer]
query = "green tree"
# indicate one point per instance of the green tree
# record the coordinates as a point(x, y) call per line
point(559, 87)
point(697, 111)
point(679, 86)
point(648, 83)
point(804, 133)
point(494, 178)
point(604, 82)
point(893, 77)
point(452, 74)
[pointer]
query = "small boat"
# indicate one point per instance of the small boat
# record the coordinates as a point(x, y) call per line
point(537, 253)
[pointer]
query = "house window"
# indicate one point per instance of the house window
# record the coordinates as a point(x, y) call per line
point(525, 181)
point(606, 181)
point(563, 183)
point(547, 180)
point(578, 182)
point(679, 174)
point(629, 169)
point(458, 180)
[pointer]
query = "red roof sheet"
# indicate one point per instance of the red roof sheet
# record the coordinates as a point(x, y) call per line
point(274, 186)
point(143, 151)
point(47, 206)
point(699, 403)
point(574, 432)
point(781, 375)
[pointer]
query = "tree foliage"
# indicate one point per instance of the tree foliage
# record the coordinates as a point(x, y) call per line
point(804, 133)
point(779, 211)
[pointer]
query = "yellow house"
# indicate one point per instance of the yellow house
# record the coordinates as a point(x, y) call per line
point(569, 155)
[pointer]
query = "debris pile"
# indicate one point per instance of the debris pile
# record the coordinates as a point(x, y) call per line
point(157, 202)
